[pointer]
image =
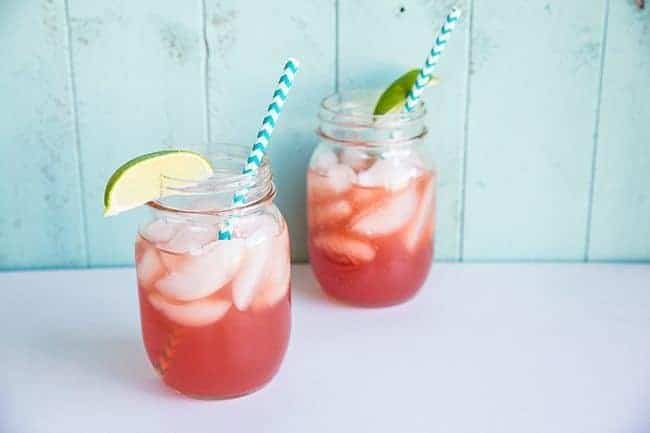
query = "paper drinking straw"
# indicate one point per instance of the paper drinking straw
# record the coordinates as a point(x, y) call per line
point(258, 151)
point(432, 60)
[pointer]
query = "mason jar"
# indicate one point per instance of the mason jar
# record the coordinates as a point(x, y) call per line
point(371, 193)
point(215, 313)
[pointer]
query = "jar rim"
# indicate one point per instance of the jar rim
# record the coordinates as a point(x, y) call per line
point(328, 106)
point(346, 117)
point(227, 178)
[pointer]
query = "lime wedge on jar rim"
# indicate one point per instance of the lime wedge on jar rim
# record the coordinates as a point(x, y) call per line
point(139, 180)
point(395, 95)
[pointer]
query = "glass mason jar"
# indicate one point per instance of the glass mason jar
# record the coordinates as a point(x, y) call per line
point(215, 313)
point(371, 188)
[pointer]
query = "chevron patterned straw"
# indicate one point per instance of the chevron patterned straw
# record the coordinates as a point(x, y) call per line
point(432, 60)
point(258, 151)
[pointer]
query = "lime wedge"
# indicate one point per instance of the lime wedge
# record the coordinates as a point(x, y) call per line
point(139, 180)
point(394, 97)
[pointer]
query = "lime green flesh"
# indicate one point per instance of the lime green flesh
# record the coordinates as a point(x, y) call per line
point(394, 97)
point(139, 180)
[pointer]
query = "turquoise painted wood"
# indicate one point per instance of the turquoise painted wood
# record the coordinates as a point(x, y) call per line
point(247, 51)
point(378, 41)
point(138, 68)
point(620, 224)
point(40, 216)
point(540, 124)
point(533, 96)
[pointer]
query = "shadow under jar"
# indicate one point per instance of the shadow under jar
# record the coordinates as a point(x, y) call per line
point(215, 313)
point(371, 188)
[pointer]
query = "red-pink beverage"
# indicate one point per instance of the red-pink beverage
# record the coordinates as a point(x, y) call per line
point(371, 193)
point(370, 240)
point(215, 314)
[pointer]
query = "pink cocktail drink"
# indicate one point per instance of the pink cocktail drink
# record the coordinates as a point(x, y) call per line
point(215, 319)
point(216, 314)
point(371, 202)
point(368, 245)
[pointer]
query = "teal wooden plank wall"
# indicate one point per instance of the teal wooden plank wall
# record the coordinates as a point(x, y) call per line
point(541, 124)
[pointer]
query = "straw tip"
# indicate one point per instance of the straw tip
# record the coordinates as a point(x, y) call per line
point(293, 61)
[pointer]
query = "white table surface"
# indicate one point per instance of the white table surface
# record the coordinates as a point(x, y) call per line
point(483, 348)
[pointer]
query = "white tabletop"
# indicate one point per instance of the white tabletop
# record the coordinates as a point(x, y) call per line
point(483, 348)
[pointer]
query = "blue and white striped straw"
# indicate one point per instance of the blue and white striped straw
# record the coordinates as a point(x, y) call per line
point(258, 151)
point(432, 60)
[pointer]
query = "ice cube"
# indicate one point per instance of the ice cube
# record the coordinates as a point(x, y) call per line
point(251, 273)
point(329, 213)
point(424, 218)
point(277, 286)
point(256, 228)
point(390, 173)
point(189, 238)
point(279, 271)
point(387, 216)
point(148, 266)
point(355, 159)
point(172, 260)
point(159, 231)
point(197, 313)
point(341, 177)
point(204, 272)
point(323, 159)
point(344, 249)
point(337, 180)
point(363, 196)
